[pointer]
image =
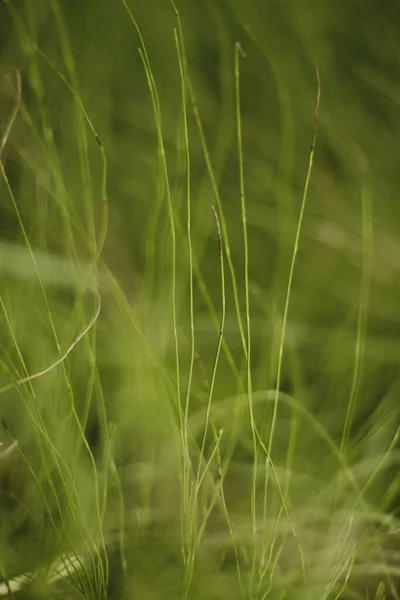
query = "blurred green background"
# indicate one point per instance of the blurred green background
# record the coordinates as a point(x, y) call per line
point(342, 338)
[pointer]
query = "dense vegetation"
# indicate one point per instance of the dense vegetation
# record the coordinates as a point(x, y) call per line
point(199, 259)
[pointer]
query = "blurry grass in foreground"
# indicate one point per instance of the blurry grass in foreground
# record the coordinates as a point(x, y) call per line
point(165, 430)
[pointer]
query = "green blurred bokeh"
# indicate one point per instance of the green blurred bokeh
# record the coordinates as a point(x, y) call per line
point(347, 263)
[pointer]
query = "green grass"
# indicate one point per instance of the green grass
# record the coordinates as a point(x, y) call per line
point(198, 384)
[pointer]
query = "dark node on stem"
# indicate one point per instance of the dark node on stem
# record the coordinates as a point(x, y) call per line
point(98, 140)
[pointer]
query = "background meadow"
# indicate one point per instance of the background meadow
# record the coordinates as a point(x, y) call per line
point(199, 315)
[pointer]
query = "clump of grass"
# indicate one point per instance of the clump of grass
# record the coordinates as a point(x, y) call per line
point(139, 457)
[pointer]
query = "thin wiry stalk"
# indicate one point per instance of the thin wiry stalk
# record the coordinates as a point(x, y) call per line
point(184, 78)
point(208, 410)
point(180, 48)
point(290, 281)
point(207, 418)
point(362, 317)
point(218, 350)
point(197, 272)
point(224, 231)
point(157, 116)
point(239, 51)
